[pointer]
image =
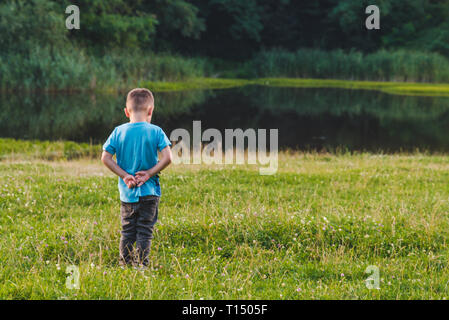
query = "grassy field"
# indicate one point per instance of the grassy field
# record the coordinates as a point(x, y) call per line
point(225, 232)
point(401, 88)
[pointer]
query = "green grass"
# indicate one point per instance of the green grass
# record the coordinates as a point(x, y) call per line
point(400, 88)
point(194, 84)
point(11, 149)
point(225, 232)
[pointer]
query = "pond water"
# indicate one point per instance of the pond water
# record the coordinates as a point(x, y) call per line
point(307, 119)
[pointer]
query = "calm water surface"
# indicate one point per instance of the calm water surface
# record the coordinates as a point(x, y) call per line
point(319, 119)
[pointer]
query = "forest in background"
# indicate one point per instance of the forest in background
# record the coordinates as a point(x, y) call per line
point(123, 42)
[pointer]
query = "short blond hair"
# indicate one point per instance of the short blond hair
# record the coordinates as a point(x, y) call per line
point(139, 100)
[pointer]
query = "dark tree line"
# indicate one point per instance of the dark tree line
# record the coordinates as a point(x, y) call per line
point(231, 28)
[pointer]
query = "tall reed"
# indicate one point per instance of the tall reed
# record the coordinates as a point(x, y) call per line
point(400, 65)
point(73, 69)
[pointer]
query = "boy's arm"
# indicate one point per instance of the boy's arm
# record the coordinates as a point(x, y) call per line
point(166, 158)
point(106, 158)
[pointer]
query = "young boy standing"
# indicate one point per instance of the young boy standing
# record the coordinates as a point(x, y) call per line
point(135, 145)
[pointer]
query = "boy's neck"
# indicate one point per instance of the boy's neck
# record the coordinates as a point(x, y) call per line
point(139, 117)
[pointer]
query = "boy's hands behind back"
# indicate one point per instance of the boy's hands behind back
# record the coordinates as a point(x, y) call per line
point(142, 176)
point(138, 180)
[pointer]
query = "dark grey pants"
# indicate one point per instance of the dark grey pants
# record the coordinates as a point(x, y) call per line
point(138, 220)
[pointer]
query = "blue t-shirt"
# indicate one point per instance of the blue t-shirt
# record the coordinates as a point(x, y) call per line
point(136, 145)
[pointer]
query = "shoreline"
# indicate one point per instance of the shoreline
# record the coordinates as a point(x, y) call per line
point(389, 87)
point(396, 88)
point(65, 150)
